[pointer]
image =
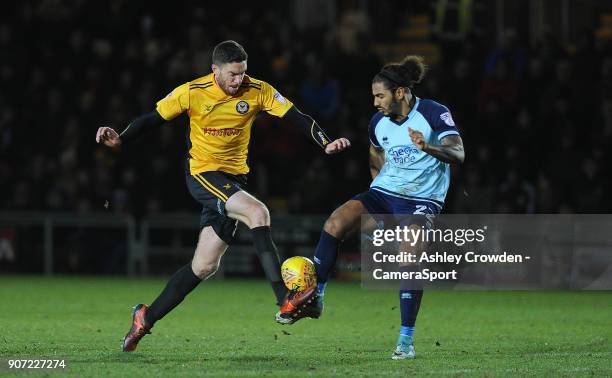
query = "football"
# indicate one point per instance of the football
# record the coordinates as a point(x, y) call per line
point(298, 273)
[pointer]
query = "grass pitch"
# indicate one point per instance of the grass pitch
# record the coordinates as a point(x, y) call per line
point(226, 328)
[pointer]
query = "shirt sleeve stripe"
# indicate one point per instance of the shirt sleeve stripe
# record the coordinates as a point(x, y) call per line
point(374, 144)
point(447, 133)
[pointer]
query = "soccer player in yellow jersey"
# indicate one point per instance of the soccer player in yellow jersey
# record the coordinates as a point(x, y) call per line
point(221, 107)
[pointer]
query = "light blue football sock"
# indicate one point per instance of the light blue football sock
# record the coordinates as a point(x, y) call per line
point(406, 335)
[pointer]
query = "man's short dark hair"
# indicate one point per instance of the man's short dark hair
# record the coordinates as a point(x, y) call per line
point(228, 52)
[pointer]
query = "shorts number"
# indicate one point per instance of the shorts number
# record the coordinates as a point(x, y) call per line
point(423, 210)
point(420, 210)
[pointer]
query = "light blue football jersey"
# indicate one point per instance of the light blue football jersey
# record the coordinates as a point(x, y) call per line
point(409, 172)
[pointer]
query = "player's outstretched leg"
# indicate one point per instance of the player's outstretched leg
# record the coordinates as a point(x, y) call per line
point(342, 221)
point(205, 262)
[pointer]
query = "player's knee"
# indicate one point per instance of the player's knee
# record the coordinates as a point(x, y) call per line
point(335, 227)
point(204, 271)
point(259, 215)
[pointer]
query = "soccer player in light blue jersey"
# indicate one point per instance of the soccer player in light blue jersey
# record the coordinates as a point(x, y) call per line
point(413, 143)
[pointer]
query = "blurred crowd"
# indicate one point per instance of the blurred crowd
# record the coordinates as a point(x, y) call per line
point(535, 121)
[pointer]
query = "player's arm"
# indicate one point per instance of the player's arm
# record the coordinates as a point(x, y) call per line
point(170, 107)
point(450, 149)
point(313, 131)
point(273, 103)
point(134, 129)
point(377, 159)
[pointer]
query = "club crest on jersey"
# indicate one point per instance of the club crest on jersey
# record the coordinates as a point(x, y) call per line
point(447, 118)
point(242, 107)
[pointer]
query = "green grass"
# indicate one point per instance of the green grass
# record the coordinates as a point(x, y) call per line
point(226, 328)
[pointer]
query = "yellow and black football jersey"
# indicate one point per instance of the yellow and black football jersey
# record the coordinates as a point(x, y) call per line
point(220, 124)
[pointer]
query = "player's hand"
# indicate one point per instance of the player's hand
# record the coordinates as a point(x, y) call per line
point(336, 146)
point(417, 138)
point(108, 136)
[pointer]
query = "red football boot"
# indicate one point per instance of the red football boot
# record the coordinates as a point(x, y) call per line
point(139, 328)
point(298, 305)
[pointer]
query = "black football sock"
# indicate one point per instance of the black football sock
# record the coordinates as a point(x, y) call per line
point(268, 255)
point(179, 285)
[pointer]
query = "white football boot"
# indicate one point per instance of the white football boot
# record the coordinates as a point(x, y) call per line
point(404, 350)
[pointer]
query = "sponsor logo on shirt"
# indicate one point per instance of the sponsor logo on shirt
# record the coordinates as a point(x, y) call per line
point(322, 138)
point(220, 132)
point(447, 118)
point(280, 98)
point(402, 155)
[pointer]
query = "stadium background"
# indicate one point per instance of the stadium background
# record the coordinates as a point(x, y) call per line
point(530, 87)
point(529, 84)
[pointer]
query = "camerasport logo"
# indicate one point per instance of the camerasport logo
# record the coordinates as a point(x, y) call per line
point(242, 107)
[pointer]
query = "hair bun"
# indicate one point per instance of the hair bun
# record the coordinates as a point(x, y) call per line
point(407, 73)
point(413, 67)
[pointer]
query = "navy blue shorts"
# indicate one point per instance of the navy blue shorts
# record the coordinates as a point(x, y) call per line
point(405, 211)
point(212, 190)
